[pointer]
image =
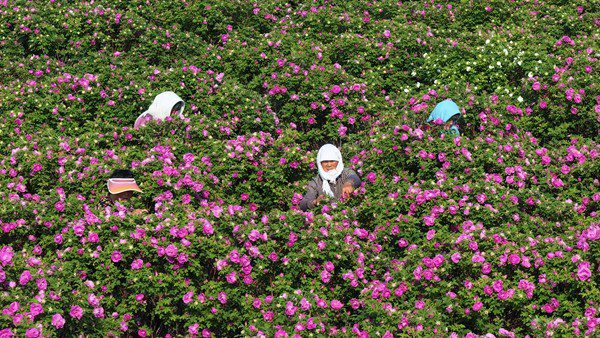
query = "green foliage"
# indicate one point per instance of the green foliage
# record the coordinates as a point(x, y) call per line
point(493, 231)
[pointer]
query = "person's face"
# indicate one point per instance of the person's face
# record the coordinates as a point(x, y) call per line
point(176, 109)
point(329, 165)
point(124, 196)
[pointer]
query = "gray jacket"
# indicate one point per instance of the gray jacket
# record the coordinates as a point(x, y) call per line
point(315, 188)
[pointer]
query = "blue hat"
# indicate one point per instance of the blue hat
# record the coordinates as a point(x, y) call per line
point(444, 111)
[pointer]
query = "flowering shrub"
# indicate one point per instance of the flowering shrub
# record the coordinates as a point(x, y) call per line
point(495, 232)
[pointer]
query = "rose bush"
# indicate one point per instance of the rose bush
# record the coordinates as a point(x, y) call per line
point(495, 232)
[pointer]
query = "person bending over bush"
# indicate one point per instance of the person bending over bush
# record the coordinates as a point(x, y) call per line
point(446, 113)
point(333, 182)
point(121, 186)
point(166, 104)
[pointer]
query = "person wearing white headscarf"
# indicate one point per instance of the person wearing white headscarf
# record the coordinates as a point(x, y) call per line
point(334, 181)
point(164, 105)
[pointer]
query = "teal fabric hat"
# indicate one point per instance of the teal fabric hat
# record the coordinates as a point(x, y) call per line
point(444, 111)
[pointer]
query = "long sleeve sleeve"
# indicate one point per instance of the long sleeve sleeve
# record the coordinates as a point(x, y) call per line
point(351, 176)
point(310, 195)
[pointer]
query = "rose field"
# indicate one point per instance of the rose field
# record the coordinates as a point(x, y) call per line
point(493, 233)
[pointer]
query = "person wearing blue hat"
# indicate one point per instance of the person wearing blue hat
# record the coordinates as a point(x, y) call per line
point(446, 113)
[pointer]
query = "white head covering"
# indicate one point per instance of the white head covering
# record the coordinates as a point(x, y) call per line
point(160, 108)
point(329, 152)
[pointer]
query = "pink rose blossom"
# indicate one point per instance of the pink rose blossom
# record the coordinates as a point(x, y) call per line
point(116, 256)
point(336, 304)
point(583, 271)
point(76, 312)
point(58, 321)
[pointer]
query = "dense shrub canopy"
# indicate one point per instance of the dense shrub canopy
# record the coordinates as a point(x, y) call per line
point(494, 232)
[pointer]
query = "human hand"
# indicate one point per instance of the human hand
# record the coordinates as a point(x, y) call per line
point(318, 200)
point(138, 212)
point(347, 189)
